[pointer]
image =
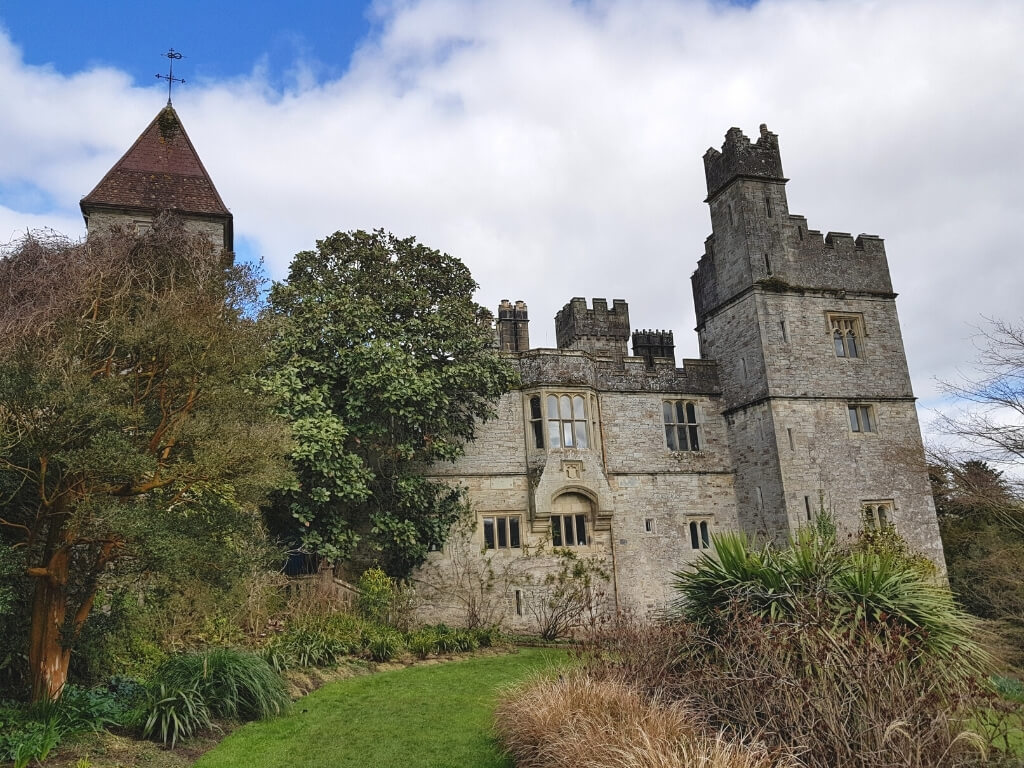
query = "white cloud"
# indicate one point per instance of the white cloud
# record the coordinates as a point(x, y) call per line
point(556, 147)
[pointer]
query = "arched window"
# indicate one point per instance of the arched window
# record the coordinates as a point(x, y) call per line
point(570, 518)
point(700, 535)
point(536, 422)
point(567, 421)
point(846, 335)
point(877, 515)
point(682, 432)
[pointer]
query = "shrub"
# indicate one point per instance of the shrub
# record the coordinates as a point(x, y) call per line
point(176, 713)
point(230, 683)
point(316, 641)
point(878, 588)
point(576, 721)
point(423, 642)
point(839, 697)
point(376, 593)
point(383, 643)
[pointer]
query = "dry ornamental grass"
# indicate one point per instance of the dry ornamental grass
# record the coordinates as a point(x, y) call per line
point(577, 721)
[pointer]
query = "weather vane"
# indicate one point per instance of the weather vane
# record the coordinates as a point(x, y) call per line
point(169, 77)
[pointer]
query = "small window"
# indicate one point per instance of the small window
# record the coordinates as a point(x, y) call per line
point(502, 532)
point(877, 515)
point(789, 433)
point(846, 335)
point(649, 524)
point(700, 534)
point(682, 432)
point(433, 546)
point(767, 265)
point(569, 530)
point(519, 602)
point(760, 497)
point(567, 421)
point(807, 506)
point(862, 418)
point(768, 206)
point(536, 422)
point(785, 332)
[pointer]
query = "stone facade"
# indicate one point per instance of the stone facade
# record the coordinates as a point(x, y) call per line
point(801, 402)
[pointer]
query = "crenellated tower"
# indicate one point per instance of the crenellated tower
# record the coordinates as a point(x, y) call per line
point(599, 330)
point(818, 400)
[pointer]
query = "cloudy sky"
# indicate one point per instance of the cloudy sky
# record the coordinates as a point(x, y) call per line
point(554, 146)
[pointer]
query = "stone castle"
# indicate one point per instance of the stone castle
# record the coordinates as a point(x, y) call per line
point(801, 401)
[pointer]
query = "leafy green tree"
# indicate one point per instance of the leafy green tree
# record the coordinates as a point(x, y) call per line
point(130, 416)
point(981, 519)
point(384, 363)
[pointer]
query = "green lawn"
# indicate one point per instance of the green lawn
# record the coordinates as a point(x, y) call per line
point(435, 716)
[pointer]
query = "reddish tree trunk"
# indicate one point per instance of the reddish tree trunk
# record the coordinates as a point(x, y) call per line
point(47, 655)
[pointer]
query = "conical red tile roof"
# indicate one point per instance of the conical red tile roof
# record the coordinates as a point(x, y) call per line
point(161, 171)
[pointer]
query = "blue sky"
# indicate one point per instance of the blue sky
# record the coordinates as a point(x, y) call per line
point(554, 146)
point(222, 40)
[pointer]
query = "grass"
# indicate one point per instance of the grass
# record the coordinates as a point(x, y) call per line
point(437, 716)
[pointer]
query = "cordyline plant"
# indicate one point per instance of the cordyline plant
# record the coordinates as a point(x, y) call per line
point(128, 409)
point(876, 589)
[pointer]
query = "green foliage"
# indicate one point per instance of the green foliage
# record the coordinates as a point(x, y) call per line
point(233, 684)
point(383, 643)
point(814, 579)
point(176, 713)
point(376, 595)
point(382, 366)
point(317, 641)
point(134, 431)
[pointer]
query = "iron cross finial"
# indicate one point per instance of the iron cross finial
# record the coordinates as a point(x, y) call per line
point(169, 77)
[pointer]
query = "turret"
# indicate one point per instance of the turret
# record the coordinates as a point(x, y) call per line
point(513, 327)
point(601, 331)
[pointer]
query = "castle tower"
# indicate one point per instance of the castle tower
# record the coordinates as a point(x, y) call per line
point(818, 400)
point(160, 172)
point(600, 331)
point(513, 327)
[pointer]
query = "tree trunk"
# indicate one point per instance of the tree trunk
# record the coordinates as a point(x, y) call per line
point(47, 655)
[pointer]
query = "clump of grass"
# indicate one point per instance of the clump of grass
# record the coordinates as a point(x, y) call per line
point(189, 689)
point(577, 721)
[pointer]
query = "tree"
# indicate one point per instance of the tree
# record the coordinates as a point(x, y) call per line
point(130, 414)
point(384, 363)
point(992, 424)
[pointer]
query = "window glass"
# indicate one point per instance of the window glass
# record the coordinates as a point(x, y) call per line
point(569, 536)
point(564, 405)
point(705, 539)
point(840, 349)
point(581, 530)
point(502, 533)
point(851, 343)
point(567, 434)
point(854, 423)
point(577, 407)
point(534, 407)
point(682, 431)
point(489, 532)
point(554, 434)
point(581, 434)
point(513, 532)
point(552, 407)
point(694, 541)
point(556, 531)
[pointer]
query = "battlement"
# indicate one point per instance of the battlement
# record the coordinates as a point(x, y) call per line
point(651, 345)
point(598, 330)
point(740, 158)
